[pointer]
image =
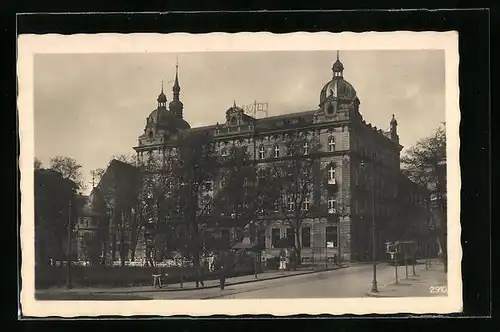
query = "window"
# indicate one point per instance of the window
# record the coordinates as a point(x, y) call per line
point(290, 234)
point(262, 152)
point(331, 203)
point(276, 206)
point(222, 182)
point(275, 237)
point(330, 107)
point(331, 144)
point(290, 204)
point(306, 204)
point(223, 152)
point(276, 151)
point(332, 235)
point(331, 174)
point(306, 237)
point(245, 182)
point(306, 148)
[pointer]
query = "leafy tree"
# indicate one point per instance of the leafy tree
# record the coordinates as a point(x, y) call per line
point(193, 166)
point(69, 169)
point(54, 197)
point(154, 204)
point(37, 164)
point(425, 164)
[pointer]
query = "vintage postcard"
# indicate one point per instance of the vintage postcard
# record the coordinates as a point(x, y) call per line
point(247, 173)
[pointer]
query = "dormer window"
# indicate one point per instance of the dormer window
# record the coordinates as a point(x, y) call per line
point(234, 121)
point(331, 144)
point(276, 151)
point(330, 108)
point(262, 152)
point(150, 134)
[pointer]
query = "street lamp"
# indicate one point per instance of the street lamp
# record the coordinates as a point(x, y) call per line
point(374, 246)
point(68, 280)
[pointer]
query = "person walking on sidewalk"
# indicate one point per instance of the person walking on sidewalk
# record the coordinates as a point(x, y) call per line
point(199, 274)
point(222, 275)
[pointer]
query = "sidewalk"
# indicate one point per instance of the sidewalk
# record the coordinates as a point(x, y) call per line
point(426, 282)
point(187, 286)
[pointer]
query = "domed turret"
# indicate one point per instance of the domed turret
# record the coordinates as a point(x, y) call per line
point(162, 98)
point(337, 88)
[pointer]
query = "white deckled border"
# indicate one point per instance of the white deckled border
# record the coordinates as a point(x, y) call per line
point(29, 45)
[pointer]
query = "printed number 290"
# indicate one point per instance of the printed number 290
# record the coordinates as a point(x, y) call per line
point(437, 289)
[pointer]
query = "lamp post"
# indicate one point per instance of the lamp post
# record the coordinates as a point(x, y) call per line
point(68, 276)
point(374, 245)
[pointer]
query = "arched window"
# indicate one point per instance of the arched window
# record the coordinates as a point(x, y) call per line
point(331, 144)
point(150, 134)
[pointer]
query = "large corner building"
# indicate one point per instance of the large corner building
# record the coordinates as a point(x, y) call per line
point(362, 163)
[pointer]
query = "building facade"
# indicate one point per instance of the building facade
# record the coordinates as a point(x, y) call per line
point(361, 164)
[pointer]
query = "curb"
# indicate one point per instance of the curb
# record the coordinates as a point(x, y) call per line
point(216, 286)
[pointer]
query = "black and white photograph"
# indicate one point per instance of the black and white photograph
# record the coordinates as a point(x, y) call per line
point(318, 170)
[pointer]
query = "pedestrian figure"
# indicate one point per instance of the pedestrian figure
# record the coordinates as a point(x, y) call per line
point(199, 273)
point(335, 261)
point(282, 261)
point(222, 275)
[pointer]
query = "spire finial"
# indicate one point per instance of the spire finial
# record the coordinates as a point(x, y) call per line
point(338, 55)
point(176, 88)
point(161, 86)
point(234, 102)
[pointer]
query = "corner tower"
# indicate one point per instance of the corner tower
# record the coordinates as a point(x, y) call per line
point(176, 106)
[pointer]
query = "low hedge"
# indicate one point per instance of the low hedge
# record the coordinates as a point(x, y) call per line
point(108, 276)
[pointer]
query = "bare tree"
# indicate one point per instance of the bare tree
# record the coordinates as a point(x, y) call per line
point(297, 173)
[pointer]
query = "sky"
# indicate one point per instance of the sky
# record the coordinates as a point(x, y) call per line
point(93, 106)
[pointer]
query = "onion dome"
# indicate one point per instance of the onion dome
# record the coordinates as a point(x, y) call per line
point(337, 87)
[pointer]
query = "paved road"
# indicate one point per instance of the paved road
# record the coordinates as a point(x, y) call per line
point(354, 281)
point(350, 282)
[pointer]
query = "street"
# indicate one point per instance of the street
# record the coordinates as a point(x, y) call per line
point(354, 281)
point(350, 282)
